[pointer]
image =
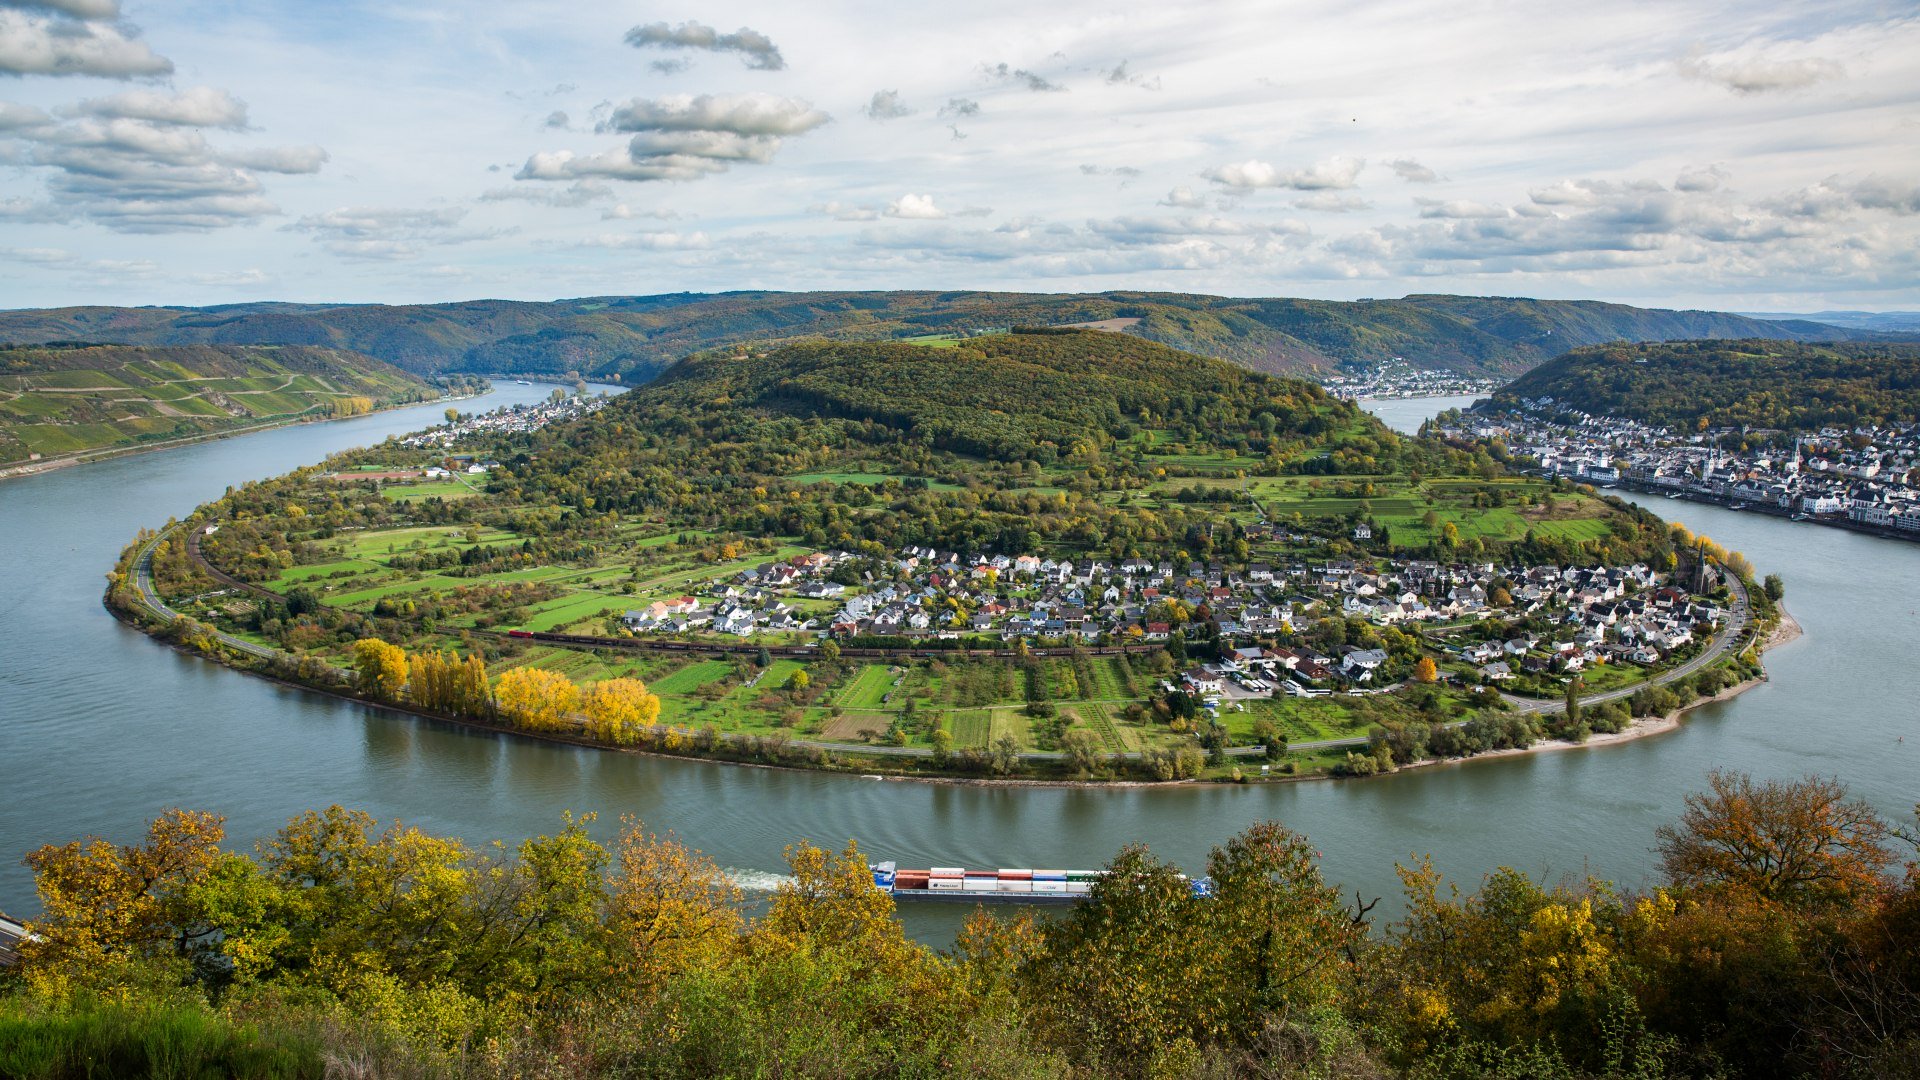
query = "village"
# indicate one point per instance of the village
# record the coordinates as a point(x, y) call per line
point(1866, 478)
point(1275, 629)
point(510, 420)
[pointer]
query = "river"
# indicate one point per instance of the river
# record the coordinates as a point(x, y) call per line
point(103, 728)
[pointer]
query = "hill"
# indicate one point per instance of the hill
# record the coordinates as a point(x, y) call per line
point(637, 337)
point(58, 400)
point(1760, 384)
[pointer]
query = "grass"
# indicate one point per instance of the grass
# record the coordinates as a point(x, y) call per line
point(869, 685)
point(972, 727)
point(692, 677)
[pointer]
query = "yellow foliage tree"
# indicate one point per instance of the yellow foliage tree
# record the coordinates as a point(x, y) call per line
point(1426, 671)
point(382, 668)
point(617, 709)
point(537, 699)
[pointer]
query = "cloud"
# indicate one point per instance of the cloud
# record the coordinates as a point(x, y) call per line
point(1109, 170)
point(144, 175)
point(683, 137)
point(959, 109)
point(579, 193)
point(915, 207)
point(1328, 202)
point(623, 212)
point(1836, 198)
point(1412, 171)
point(234, 279)
point(289, 160)
point(739, 114)
point(39, 45)
point(387, 233)
point(15, 117)
point(1711, 178)
point(1021, 77)
point(1457, 209)
point(670, 67)
point(79, 9)
point(201, 106)
point(1757, 75)
point(839, 211)
point(886, 105)
point(650, 241)
point(1184, 197)
point(557, 121)
point(1120, 75)
point(755, 49)
point(1332, 174)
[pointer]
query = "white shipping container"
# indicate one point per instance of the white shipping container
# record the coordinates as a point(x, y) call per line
point(1050, 886)
point(1078, 887)
point(948, 884)
point(947, 871)
point(1016, 885)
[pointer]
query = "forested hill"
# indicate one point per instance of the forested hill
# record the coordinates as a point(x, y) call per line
point(58, 400)
point(636, 337)
point(1005, 397)
point(1760, 384)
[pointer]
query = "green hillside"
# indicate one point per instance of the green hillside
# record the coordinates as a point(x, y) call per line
point(1760, 384)
point(70, 399)
point(637, 337)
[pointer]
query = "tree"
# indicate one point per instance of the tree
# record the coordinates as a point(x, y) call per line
point(618, 709)
point(1003, 757)
point(942, 746)
point(1500, 597)
point(382, 668)
point(799, 680)
point(1802, 843)
point(1775, 588)
point(537, 699)
point(108, 909)
point(452, 414)
point(1572, 699)
point(1082, 749)
point(1426, 670)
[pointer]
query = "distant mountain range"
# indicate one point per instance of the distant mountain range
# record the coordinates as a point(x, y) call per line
point(1887, 321)
point(636, 337)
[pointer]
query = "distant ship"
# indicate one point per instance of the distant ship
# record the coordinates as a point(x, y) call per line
point(996, 886)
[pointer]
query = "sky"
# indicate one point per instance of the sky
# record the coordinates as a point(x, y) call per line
point(1730, 155)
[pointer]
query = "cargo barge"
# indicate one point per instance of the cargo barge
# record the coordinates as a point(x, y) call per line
point(996, 886)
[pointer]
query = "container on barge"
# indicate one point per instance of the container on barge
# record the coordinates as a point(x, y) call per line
point(1004, 886)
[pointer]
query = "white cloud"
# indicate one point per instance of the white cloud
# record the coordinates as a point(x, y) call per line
point(1412, 171)
point(1758, 74)
point(886, 105)
point(1710, 178)
point(1021, 77)
point(1332, 174)
point(755, 49)
point(39, 45)
point(915, 207)
point(201, 106)
point(650, 241)
point(684, 137)
point(388, 233)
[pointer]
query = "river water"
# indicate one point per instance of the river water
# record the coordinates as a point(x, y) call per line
point(100, 728)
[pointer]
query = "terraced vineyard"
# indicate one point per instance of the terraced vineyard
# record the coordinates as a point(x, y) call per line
point(57, 401)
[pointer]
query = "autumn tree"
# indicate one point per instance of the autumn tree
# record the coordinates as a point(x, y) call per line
point(1802, 843)
point(110, 911)
point(618, 709)
point(382, 668)
point(537, 699)
point(670, 909)
point(1426, 671)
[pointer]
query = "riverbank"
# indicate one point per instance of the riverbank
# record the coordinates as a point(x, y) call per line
point(16, 470)
point(149, 615)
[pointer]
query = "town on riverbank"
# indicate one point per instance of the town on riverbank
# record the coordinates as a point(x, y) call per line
point(1865, 478)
